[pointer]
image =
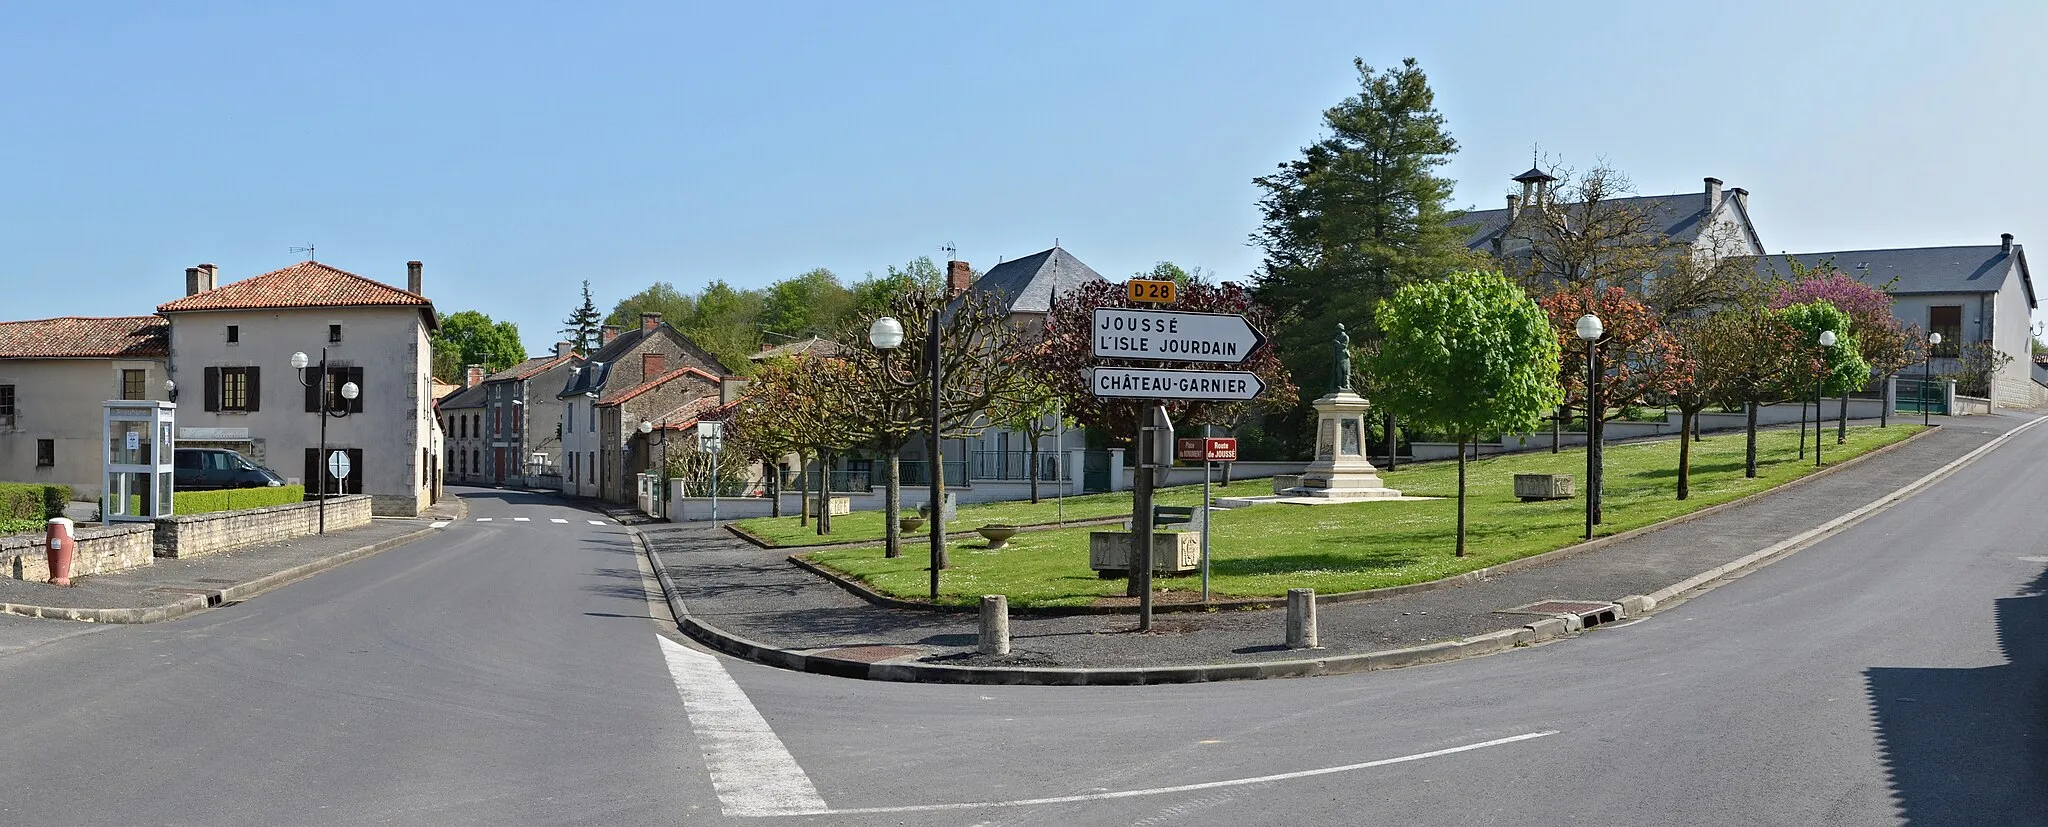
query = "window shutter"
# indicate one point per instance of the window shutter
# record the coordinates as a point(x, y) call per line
point(354, 483)
point(253, 388)
point(213, 389)
point(313, 471)
point(313, 390)
point(356, 375)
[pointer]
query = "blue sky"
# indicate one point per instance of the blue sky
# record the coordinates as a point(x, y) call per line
point(519, 148)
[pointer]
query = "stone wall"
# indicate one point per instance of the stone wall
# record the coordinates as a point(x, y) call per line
point(100, 551)
point(197, 534)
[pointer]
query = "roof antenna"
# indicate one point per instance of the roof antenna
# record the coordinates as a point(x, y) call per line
point(308, 250)
point(952, 252)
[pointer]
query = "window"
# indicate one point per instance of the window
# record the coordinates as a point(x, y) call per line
point(333, 333)
point(132, 382)
point(515, 417)
point(570, 413)
point(593, 419)
point(6, 406)
point(572, 466)
point(234, 334)
point(465, 426)
point(46, 453)
point(316, 470)
point(337, 375)
point(1947, 320)
point(233, 389)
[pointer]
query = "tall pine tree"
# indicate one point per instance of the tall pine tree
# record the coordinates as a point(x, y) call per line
point(584, 323)
point(1361, 213)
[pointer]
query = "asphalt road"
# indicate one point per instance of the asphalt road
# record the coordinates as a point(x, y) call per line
point(515, 672)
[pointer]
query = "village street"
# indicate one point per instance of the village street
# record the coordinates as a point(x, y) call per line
point(526, 671)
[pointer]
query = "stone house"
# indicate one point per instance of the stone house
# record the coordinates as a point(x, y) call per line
point(522, 417)
point(462, 429)
point(226, 340)
point(633, 375)
point(1974, 293)
point(54, 373)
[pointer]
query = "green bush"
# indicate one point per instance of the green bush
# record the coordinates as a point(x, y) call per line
point(29, 500)
point(14, 525)
point(234, 499)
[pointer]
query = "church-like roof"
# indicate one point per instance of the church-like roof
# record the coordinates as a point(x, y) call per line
point(1029, 284)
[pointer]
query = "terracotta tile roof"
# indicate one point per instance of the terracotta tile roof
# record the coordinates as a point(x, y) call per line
point(688, 414)
point(529, 368)
point(81, 337)
point(621, 396)
point(306, 284)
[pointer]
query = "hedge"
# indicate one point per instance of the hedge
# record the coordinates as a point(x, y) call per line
point(33, 501)
point(13, 525)
point(233, 499)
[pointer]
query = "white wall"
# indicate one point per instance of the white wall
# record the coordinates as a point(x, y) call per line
point(59, 399)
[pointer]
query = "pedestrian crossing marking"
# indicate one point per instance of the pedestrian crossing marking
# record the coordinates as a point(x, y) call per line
point(598, 522)
point(483, 519)
point(520, 519)
point(441, 524)
point(557, 520)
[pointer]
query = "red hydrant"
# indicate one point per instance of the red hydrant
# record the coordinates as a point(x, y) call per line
point(62, 545)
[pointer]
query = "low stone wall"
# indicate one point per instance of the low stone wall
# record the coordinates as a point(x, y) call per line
point(100, 551)
point(197, 534)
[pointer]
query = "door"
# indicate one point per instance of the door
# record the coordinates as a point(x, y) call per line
point(498, 465)
point(1095, 472)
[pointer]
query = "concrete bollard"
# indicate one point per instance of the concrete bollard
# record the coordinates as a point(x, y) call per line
point(995, 625)
point(1301, 619)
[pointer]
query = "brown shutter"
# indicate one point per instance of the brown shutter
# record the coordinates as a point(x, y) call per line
point(253, 389)
point(312, 391)
point(356, 375)
point(213, 389)
point(354, 483)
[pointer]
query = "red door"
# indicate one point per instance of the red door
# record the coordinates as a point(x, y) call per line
point(498, 464)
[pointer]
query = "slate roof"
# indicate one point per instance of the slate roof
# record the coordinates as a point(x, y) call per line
point(1919, 270)
point(465, 398)
point(597, 368)
point(529, 368)
point(813, 346)
point(589, 378)
point(306, 284)
point(1029, 284)
point(621, 396)
point(1681, 217)
point(84, 337)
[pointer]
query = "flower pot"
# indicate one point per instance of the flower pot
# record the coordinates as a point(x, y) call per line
point(910, 523)
point(997, 536)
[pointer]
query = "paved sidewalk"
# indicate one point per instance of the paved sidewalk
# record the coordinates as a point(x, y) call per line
point(168, 588)
point(758, 595)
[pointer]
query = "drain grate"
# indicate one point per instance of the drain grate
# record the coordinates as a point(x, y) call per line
point(870, 654)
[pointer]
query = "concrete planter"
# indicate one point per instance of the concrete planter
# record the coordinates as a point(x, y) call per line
point(1173, 552)
point(1532, 487)
point(910, 523)
point(996, 534)
point(840, 506)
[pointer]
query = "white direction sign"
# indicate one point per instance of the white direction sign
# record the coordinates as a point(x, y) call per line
point(1164, 383)
point(337, 465)
point(1174, 336)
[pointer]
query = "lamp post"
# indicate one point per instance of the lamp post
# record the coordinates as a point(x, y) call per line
point(170, 390)
point(661, 474)
point(349, 392)
point(1827, 340)
point(1927, 375)
point(886, 334)
point(1589, 331)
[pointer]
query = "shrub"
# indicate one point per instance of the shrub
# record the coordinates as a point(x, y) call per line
point(234, 499)
point(14, 525)
point(28, 500)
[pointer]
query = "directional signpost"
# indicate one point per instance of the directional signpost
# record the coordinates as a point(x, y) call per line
point(1168, 383)
point(1174, 336)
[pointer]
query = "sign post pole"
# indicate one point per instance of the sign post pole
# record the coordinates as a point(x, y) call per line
point(1208, 471)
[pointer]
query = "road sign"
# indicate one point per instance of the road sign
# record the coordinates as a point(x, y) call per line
point(710, 436)
point(337, 465)
point(1174, 336)
point(1150, 291)
point(1208, 449)
point(1164, 383)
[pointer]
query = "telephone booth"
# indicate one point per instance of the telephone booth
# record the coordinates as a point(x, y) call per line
point(140, 453)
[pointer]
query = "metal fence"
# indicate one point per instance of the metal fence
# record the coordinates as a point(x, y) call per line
point(1917, 396)
point(843, 482)
point(1013, 465)
point(919, 472)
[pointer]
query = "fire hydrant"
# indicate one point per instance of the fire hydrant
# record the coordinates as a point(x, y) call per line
point(61, 546)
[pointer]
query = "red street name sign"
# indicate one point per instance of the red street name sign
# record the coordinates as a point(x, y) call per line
point(1207, 449)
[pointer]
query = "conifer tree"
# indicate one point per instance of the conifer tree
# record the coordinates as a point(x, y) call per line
point(583, 323)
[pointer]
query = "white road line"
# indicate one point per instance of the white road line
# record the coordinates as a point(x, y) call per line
point(597, 522)
point(557, 520)
point(483, 519)
point(441, 524)
point(752, 771)
point(1184, 788)
point(520, 520)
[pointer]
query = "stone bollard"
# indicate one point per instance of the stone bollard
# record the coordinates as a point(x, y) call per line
point(995, 625)
point(1301, 619)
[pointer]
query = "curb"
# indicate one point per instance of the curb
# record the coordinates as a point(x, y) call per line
point(862, 591)
point(769, 545)
point(1540, 631)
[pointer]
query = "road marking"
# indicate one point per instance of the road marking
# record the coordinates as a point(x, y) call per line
point(1184, 788)
point(483, 519)
point(2035, 559)
point(441, 524)
point(520, 520)
point(558, 520)
point(597, 522)
point(752, 771)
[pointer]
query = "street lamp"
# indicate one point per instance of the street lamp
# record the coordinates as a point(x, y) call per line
point(886, 334)
point(171, 390)
point(661, 477)
point(1827, 340)
point(349, 392)
point(1927, 374)
point(1589, 331)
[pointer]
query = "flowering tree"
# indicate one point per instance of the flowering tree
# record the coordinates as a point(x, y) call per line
point(1639, 359)
point(1887, 344)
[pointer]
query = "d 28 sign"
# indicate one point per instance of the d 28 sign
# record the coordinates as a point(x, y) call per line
point(1207, 449)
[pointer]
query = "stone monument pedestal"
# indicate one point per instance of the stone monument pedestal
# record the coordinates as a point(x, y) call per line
point(1340, 470)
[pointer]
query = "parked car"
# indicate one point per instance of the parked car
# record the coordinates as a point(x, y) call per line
point(207, 468)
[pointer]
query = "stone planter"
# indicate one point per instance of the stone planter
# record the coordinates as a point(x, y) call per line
point(1533, 487)
point(910, 523)
point(997, 534)
point(1173, 552)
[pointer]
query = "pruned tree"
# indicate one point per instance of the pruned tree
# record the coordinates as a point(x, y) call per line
point(1689, 392)
point(1034, 411)
point(1639, 360)
point(799, 404)
point(1748, 356)
point(1468, 355)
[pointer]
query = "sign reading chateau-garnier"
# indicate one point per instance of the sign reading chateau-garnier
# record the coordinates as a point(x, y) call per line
point(1164, 383)
point(1173, 335)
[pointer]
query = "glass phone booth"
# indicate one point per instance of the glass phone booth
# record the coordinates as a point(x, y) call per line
point(140, 451)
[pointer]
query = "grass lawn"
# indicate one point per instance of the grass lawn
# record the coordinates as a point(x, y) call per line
point(1264, 550)
point(867, 525)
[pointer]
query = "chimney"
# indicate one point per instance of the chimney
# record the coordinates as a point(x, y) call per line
point(564, 348)
point(1713, 194)
point(1741, 197)
point(199, 279)
point(609, 332)
point(2005, 243)
point(959, 276)
point(473, 377)
point(412, 278)
point(1514, 207)
point(649, 321)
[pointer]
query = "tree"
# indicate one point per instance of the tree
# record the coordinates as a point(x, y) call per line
point(1689, 336)
point(582, 326)
point(726, 323)
point(1035, 411)
point(798, 405)
point(1064, 352)
point(1748, 356)
point(1839, 369)
point(1359, 214)
point(873, 294)
point(755, 431)
point(1639, 360)
point(478, 341)
point(661, 297)
point(811, 304)
point(1887, 344)
point(1586, 231)
point(1468, 355)
point(1169, 271)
